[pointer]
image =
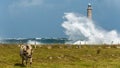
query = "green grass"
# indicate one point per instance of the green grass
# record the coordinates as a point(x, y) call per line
point(66, 56)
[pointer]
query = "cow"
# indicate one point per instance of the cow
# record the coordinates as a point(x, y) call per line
point(26, 53)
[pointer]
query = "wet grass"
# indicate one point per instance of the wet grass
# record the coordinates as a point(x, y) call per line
point(62, 56)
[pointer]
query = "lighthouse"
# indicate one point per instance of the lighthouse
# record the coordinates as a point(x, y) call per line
point(89, 11)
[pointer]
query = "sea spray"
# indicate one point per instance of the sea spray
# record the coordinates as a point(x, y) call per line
point(33, 42)
point(82, 30)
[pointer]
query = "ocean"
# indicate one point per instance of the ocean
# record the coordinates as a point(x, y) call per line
point(34, 41)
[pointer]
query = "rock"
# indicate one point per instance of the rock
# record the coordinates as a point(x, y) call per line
point(108, 47)
point(60, 47)
point(118, 47)
point(59, 57)
point(49, 47)
point(50, 57)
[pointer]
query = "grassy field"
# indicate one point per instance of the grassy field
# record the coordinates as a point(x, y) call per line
point(62, 56)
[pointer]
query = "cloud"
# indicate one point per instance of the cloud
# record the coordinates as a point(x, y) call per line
point(25, 3)
point(18, 5)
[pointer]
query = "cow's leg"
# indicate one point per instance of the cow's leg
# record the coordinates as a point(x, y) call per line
point(31, 61)
point(22, 61)
point(26, 60)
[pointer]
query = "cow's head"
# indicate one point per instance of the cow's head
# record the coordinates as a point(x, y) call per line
point(28, 51)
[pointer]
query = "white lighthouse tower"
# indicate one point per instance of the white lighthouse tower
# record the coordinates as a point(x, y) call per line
point(89, 11)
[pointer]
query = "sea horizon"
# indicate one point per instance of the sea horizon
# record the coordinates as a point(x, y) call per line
point(33, 40)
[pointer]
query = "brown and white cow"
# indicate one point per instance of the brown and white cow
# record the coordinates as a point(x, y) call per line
point(26, 53)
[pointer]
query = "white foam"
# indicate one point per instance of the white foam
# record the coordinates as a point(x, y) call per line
point(33, 42)
point(80, 28)
point(38, 38)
